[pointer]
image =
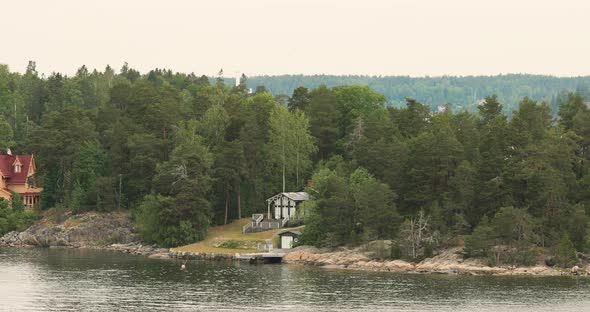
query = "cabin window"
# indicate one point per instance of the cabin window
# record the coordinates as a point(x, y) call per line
point(17, 168)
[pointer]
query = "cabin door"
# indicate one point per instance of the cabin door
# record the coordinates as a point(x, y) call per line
point(286, 242)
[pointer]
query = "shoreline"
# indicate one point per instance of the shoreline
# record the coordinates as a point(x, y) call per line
point(448, 262)
point(114, 232)
point(335, 260)
point(139, 249)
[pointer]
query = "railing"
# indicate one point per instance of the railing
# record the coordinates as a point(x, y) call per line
point(258, 218)
point(246, 227)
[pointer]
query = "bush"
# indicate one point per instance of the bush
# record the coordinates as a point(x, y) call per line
point(522, 255)
point(550, 262)
point(13, 219)
point(231, 244)
point(565, 253)
point(428, 250)
point(179, 235)
point(17, 202)
point(492, 261)
point(479, 242)
point(148, 219)
point(396, 251)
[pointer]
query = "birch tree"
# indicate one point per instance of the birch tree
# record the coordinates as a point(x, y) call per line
point(291, 143)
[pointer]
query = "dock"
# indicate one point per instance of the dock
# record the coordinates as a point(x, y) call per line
point(275, 256)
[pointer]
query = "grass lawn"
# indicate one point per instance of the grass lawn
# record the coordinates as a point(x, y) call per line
point(230, 234)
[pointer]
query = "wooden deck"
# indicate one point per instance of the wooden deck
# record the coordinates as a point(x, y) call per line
point(274, 256)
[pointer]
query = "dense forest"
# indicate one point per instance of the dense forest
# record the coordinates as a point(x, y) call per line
point(461, 93)
point(183, 152)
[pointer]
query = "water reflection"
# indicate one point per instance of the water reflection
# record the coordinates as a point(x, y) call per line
point(73, 280)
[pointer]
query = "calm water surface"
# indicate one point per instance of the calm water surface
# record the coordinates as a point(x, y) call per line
point(89, 280)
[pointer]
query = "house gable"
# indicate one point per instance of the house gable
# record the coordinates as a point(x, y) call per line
point(15, 171)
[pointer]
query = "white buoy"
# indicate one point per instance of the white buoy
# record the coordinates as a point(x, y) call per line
point(182, 267)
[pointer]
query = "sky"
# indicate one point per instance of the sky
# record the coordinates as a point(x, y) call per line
point(272, 37)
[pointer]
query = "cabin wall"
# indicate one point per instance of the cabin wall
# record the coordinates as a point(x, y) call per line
point(4, 194)
point(286, 242)
point(18, 188)
point(284, 207)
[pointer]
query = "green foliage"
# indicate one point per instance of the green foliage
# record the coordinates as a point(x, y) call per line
point(565, 253)
point(6, 133)
point(15, 219)
point(182, 151)
point(232, 244)
point(511, 225)
point(17, 202)
point(349, 209)
point(478, 244)
point(179, 213)
point(396, 251)
point(507, 239)
point(147, 217)
point(464, 93)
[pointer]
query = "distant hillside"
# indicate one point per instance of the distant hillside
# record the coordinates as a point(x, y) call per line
point(461, 92)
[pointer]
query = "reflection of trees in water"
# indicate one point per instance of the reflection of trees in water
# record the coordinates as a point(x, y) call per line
point(61, 279)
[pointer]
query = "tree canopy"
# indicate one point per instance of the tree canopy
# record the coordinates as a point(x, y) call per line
point(184, 152)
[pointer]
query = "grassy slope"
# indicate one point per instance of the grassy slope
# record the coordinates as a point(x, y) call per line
point(230, 232)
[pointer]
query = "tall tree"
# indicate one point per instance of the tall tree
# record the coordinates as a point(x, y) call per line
point(300, 99)
point(324, 116)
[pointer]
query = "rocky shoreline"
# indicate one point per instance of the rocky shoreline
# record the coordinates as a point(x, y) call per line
point(13, 239)
point(114, 231)
point(448, 261)
point(104, 231)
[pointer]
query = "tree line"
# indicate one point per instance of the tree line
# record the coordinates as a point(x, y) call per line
point(183, 151)
point(463, 93)
point(511, 189)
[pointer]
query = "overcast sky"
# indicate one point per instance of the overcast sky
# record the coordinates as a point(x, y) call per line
point(375, 37)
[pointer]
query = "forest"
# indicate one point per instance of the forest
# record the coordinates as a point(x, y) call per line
point(183, 152)
point(462, 93)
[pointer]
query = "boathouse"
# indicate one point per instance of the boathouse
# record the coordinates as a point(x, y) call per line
point(288, 239)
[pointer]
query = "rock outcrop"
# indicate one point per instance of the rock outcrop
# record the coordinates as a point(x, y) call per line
point(89, 229)
point(448, 261)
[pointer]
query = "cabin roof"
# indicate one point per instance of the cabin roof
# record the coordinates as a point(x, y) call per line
point(290, 232)
point(296, 196)
point(6, 167)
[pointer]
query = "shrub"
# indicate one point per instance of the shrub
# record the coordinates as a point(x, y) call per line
point(428, 250)
point(565, 253)
point(396, 251)
point(479, 242)
point(523, 255)
point(17, 202)
point(15, 220)
point(231, 244)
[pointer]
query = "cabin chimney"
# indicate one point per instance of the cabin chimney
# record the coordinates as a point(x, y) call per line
point(309, 183)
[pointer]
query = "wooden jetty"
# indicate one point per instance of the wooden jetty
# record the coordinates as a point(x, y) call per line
point(275, 256)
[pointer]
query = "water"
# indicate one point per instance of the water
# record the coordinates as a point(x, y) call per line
point(89, 280)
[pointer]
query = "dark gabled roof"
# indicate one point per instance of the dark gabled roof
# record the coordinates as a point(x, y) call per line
point(293, 232)
point(7, 169)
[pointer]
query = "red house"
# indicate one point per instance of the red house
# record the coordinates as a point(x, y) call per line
point(15, 176)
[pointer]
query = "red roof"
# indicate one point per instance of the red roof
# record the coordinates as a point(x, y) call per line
point(7, 169)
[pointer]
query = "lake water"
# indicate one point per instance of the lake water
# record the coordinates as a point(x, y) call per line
point(90, 280)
